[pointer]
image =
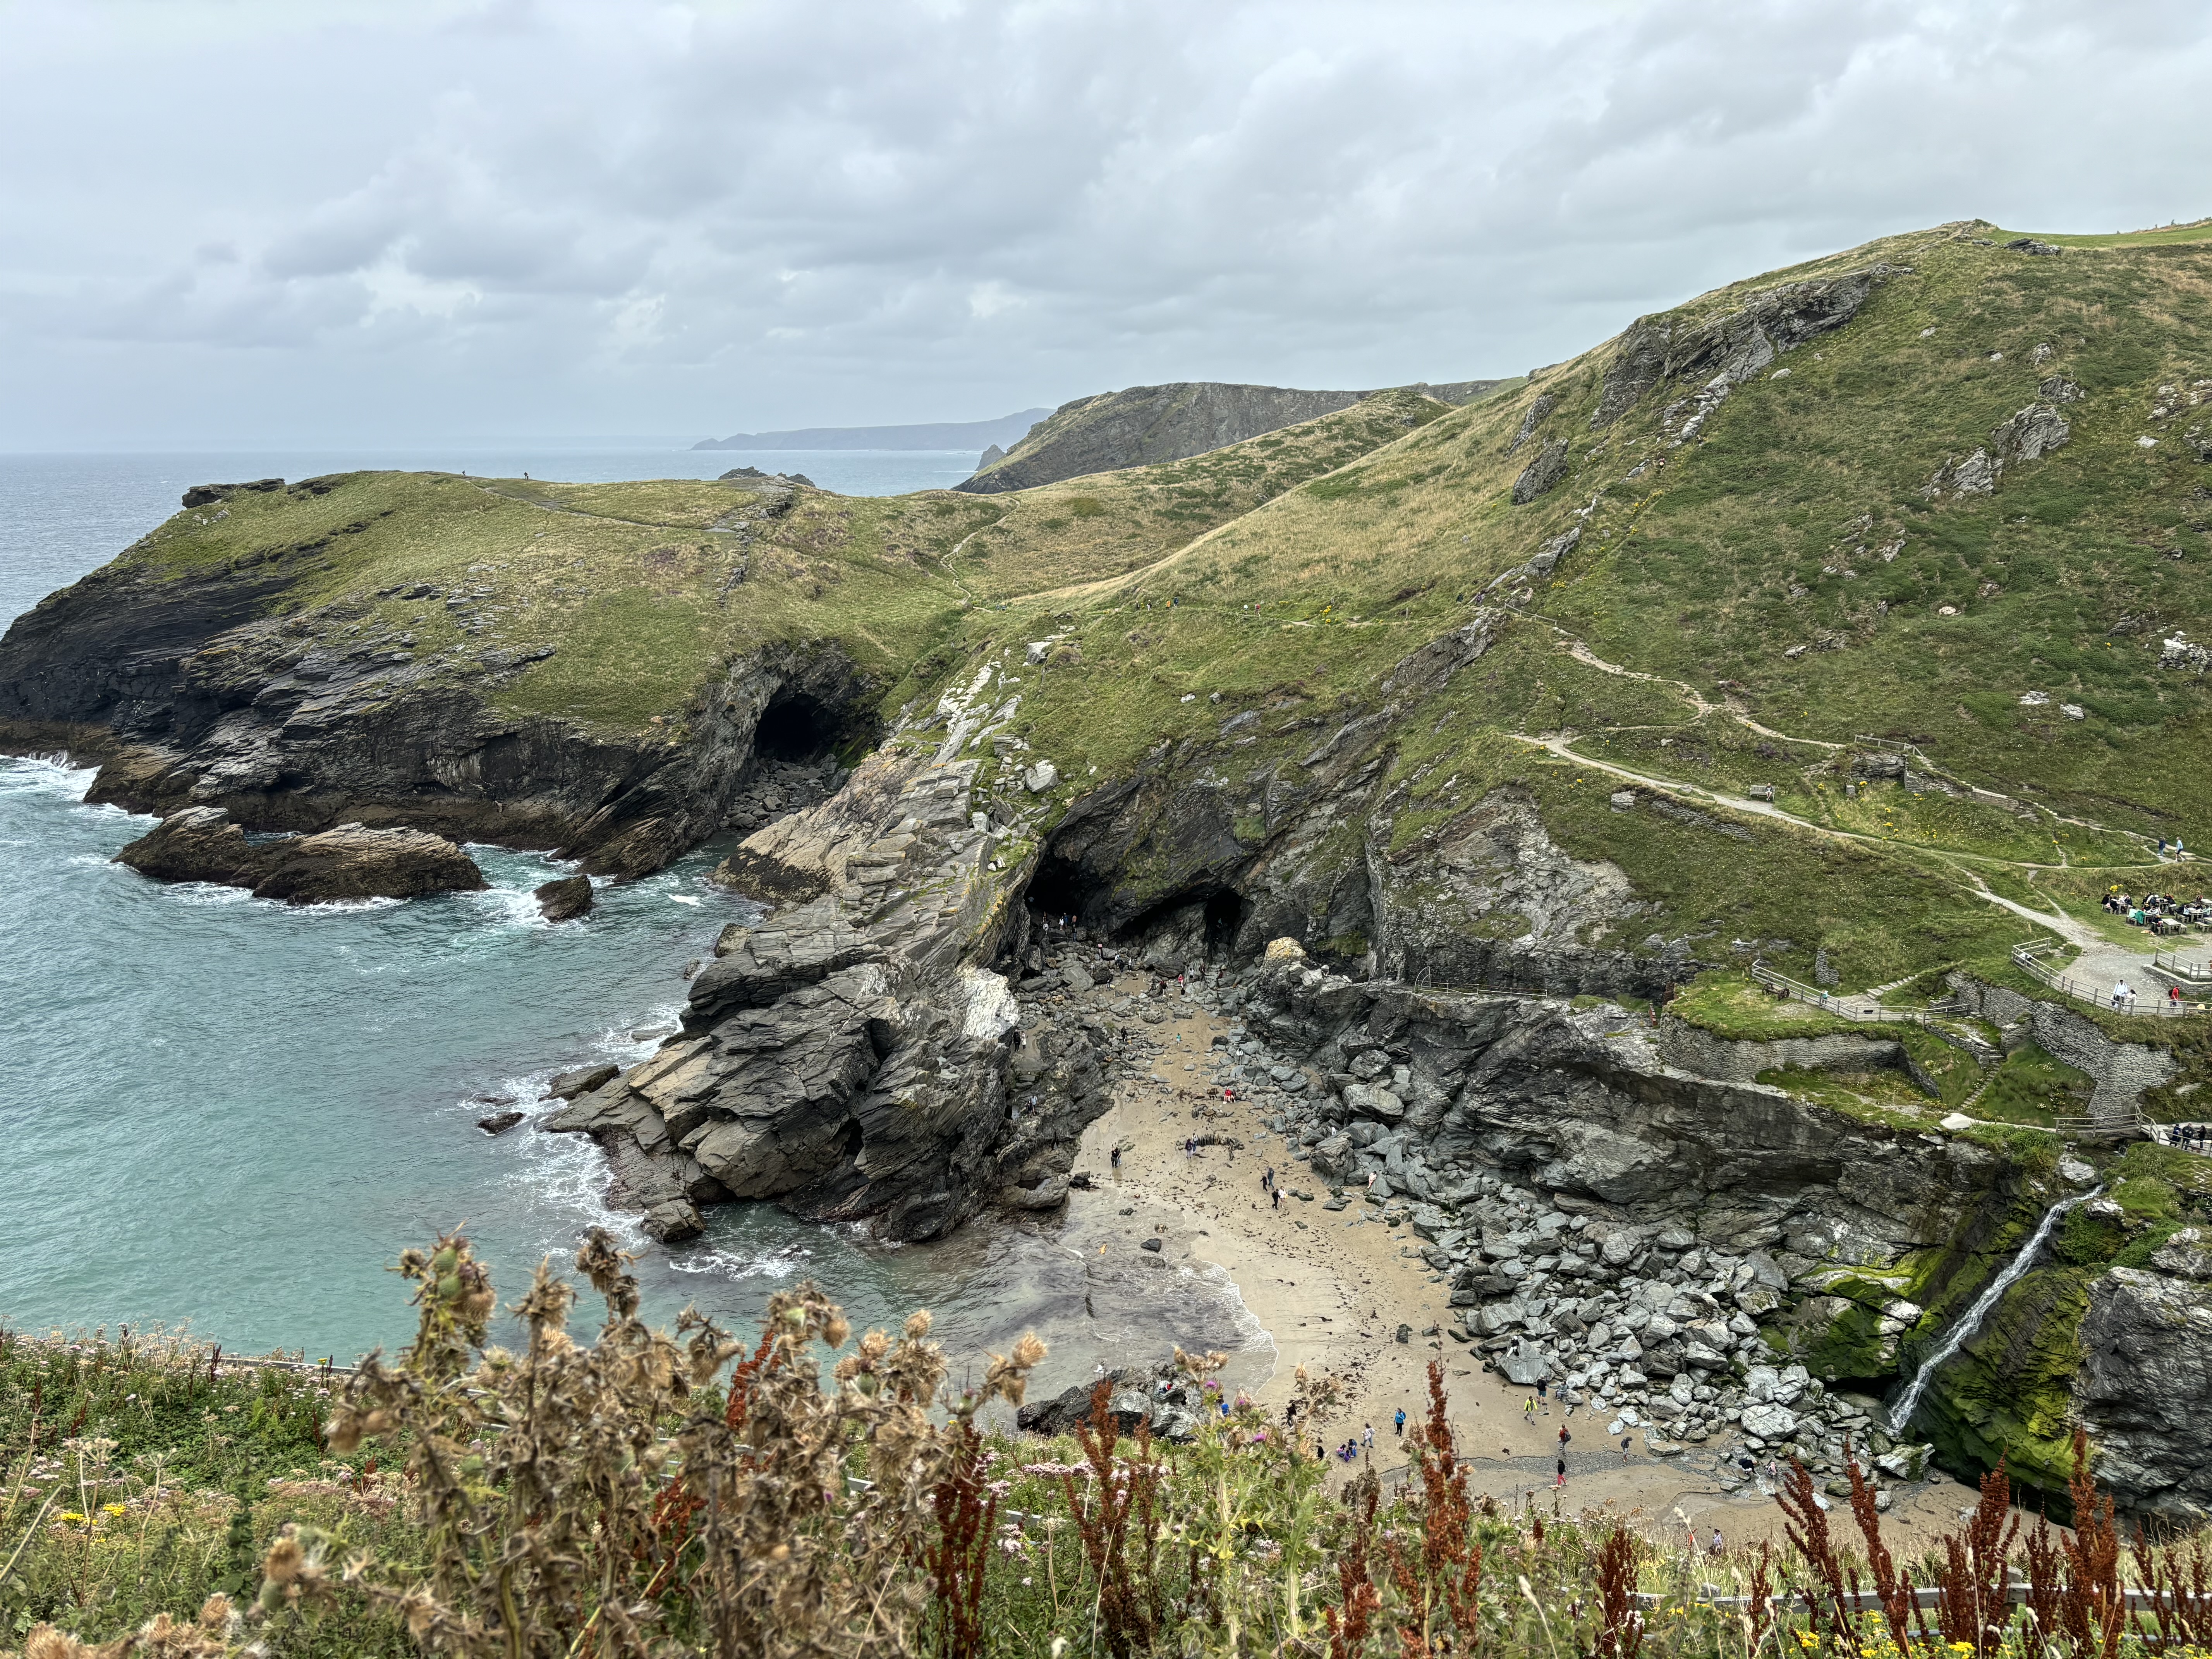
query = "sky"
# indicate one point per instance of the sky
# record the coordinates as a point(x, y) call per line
point(324, 222)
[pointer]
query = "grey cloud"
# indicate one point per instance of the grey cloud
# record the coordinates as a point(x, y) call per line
point(786, 213)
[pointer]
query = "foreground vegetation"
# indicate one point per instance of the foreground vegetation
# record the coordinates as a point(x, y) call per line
point(685, 1494)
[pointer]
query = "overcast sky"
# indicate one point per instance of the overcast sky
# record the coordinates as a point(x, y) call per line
point(316, 221)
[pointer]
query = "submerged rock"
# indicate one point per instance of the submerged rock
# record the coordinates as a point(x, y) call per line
point(499, 1123)
point(201, 843)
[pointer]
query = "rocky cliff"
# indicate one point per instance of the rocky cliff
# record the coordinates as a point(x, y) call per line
point(250, 687)
point(1148, 424)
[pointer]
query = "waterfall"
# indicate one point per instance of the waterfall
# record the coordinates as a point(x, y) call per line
point(1900, 1416)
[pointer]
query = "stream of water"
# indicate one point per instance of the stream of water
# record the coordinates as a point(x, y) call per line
point(1900, 1416)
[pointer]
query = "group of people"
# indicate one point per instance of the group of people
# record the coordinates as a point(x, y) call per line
point(2190, 1137)
point(1350, 1450)
point(2152, 908)
point(2124, 997)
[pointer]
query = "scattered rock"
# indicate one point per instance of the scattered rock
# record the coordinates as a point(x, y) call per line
point(2029, 245)
point(1153, 1245)
point(499, 1123)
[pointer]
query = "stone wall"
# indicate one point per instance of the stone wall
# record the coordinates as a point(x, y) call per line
point(2122, 1070)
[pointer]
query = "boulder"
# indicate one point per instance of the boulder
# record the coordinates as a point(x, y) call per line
point(1769, 1421)
point(564, 900)
point(201, 844)
point(673, 1220)
point(2029, 245)
point(566, 1086)
point(499, 1123)
point(1525, 1366)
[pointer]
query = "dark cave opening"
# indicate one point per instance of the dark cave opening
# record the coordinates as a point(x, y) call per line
point(795, 727)
point(1060, 888)
point(1224, 915)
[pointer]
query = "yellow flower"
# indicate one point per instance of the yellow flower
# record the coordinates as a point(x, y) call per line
point(112, 1509)
point(70, 1515)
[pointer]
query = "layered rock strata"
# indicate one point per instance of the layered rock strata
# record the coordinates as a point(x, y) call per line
point(193, 693)
point(854, 1055)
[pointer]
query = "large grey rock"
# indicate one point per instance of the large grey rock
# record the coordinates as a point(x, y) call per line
point(2030, 434)
point(2144, 1386)
point(566, 1086)
point(564, 900)
point(201, 844)
point(1542, 473)
point(1769, 1421)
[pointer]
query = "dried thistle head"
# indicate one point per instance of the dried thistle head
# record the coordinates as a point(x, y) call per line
point(45, 1642)
point(1007, 1376)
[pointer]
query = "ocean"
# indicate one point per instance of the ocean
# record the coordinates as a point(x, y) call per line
point(229, 1114)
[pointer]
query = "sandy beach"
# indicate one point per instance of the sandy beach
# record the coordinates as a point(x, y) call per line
point(1331, 1289)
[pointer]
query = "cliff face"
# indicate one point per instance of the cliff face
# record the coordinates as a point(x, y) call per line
point(1146, 425)
point(247, 687)
point(855, 1055)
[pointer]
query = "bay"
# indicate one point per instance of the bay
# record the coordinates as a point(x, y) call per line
point(231, 1115)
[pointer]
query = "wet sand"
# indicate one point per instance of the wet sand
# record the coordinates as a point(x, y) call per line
point(1331, 1289)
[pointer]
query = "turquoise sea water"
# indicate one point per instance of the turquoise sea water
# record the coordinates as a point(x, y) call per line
point(219, 1111)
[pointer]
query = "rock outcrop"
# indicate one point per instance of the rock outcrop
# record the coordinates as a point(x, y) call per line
point(2145, 1385)
point(194, 693)
point(1158, 1394)
point(1145, 425)
point(201, 843)
point(1729, 346)
point(854, 1055)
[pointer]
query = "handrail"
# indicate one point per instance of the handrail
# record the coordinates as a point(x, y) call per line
point(1827, 1002)
point(2028, 959)
point(2170, 962)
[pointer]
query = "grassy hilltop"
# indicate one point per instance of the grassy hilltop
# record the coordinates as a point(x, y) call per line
point(1796, 576)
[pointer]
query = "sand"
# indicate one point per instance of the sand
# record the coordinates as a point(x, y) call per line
point(1331, 1289)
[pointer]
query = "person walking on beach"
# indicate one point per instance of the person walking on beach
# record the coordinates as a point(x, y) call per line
point(1367, 1439)
point(1116, 1160)
point(1717, 1545)
point(1562, 1478)
point(1543, 1395)
point(1528, 1411)
point(1625, 1441)
point(1401, 1422)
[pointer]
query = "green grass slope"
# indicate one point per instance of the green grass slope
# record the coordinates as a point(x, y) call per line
point(1777, 587)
